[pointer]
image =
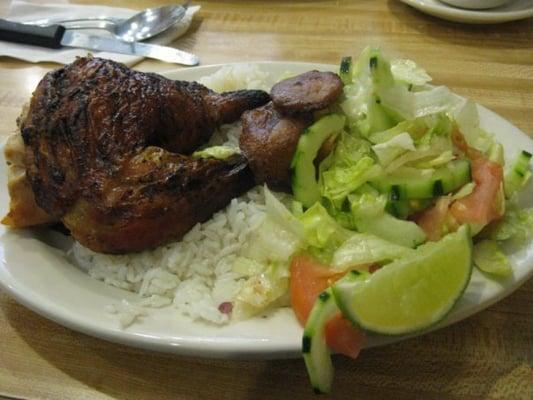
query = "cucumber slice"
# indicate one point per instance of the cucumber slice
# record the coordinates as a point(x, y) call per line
point(316, 354)
point(420, 185)
point(375, 120)
point(380, 70)
point(346, 70)
point(403, 208)
point(412, 293)
point(404, 233)
point(304, 182)
point(518, 175)
point(399, 209)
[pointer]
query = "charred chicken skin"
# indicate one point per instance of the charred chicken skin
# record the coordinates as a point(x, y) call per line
point(106, 153)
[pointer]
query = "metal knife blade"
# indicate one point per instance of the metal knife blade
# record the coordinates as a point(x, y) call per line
point(55, 36)
point(99, 43)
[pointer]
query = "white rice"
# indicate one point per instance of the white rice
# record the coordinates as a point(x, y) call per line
point(238, 76)
point(195, 276)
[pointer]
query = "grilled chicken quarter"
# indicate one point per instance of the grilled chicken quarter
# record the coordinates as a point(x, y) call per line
point(106, 152)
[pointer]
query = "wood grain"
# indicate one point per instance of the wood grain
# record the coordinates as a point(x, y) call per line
point(488, 356)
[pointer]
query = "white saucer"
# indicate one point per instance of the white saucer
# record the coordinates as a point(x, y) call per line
point(518, 9)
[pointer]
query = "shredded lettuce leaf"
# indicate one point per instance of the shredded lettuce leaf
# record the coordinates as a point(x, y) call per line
point(436, 161)
point(218, 152)
point(323, 234)
point(517, 225)
point(279, 214)
point(266, 258)
point(439, 125)
point(349, 166)
point(364, 248)
point(246, 267)
point(398, 100)
point(321, 230)
point(267, 289)
point(401, 232)
point(466, 116)
point(368, 204)
point(268, 252)
point(416, 128)
point(489, 258)
point(389, 150)
point(408, 72)
point(271, 242)
point(349, 149)
point(432, 155)
point(338, 183)
point(425, 131)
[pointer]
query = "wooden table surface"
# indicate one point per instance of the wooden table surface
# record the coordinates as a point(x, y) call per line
point(489, 355)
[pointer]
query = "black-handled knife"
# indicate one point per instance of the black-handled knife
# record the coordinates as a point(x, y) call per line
point(49, 36)
point(56, 36)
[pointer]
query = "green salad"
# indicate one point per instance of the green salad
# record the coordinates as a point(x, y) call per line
point(382, 234)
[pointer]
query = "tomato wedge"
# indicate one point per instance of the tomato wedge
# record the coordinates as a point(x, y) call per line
point(343, 337)
point(460, 142)
point(433, 220)
point(308, 279)
point(481, 206)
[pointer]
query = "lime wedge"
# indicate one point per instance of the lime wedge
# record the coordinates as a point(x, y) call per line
point(411, 293)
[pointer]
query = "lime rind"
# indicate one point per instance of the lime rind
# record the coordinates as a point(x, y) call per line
point(413, 293)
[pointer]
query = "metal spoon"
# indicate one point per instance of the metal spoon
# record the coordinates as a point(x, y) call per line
point(140, 26)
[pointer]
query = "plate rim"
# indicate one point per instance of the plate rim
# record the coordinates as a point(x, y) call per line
point(456, 14)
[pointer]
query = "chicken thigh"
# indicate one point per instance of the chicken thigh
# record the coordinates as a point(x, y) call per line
point(106, 152)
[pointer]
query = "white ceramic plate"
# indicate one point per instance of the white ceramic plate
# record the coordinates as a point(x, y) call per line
point(518, 9)
point(37, 274)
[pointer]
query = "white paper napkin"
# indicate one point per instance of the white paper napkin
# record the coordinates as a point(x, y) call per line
point(22, 11)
